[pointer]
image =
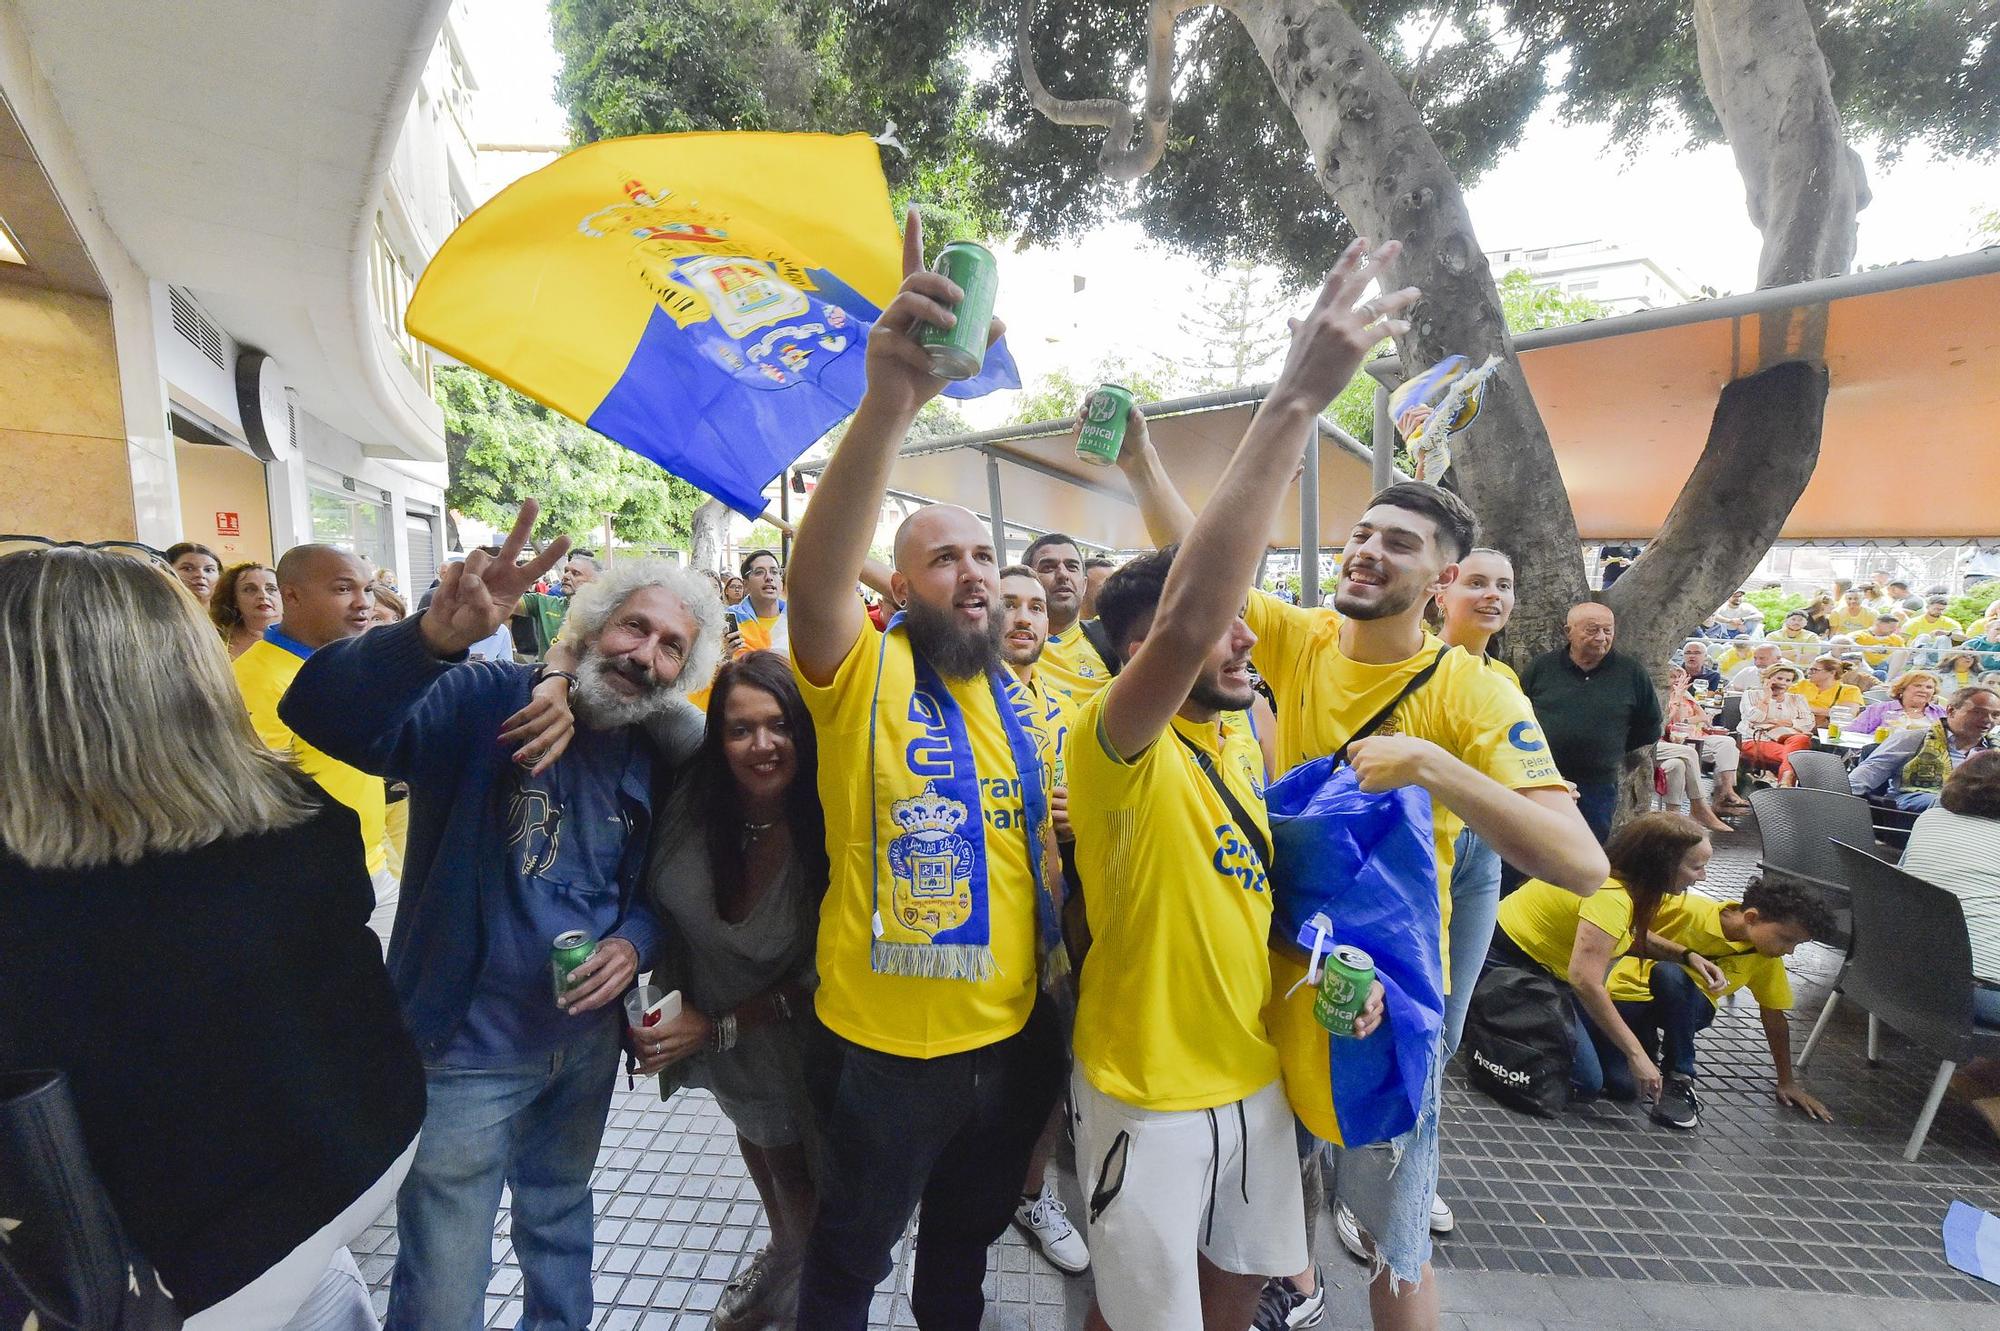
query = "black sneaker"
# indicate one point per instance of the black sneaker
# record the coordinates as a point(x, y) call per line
point(1677, 1107)
point(1283, 1308)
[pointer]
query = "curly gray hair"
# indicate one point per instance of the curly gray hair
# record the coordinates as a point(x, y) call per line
point(591, 608)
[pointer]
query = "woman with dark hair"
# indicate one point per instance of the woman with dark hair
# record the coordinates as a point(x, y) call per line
point(196, 911)
point(737, 871)
point(246, 602)
point(1576, 939)
point(197, 568)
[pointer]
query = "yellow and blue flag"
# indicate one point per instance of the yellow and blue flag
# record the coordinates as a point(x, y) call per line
point(703, 299)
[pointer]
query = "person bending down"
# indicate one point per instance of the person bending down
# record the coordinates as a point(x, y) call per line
point(1666, 1006)
point(1573, 938)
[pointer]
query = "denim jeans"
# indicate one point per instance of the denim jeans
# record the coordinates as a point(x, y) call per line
point(1475, 902)
point(1916, 801)
point(1597, 801)
point(952, 1132)
point(1677, 1012)
point(533, 1128)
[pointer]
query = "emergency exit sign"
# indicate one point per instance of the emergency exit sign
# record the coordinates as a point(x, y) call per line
point(228, 524)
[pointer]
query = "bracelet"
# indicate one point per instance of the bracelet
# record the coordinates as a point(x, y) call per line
point(1687, 956)
point(725, 1033)
point(545, 671)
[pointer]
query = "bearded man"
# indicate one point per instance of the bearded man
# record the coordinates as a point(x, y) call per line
point(931, 1064)
point(504, 856)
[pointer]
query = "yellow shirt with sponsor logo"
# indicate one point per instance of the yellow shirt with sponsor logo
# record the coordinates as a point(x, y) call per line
point(1055, 712)
point(1923, 626)
point(1323, 696)
point(1696, 921)
point(1842, 620)
point(262, 675)
point(1070, 662)
point(1541, 918)
point(895, 1014)
point(1170, 1012)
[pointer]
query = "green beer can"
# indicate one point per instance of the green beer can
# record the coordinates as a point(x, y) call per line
point(571, 949)
point(1344, 982)
point(1104, 415)
point(958, 352)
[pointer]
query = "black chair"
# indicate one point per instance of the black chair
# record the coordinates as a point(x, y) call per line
point(1910, 966)
point(1798, 828)
point(1731, 714)
point(1819, 770)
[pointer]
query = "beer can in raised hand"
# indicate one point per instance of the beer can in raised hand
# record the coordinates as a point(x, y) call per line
point(1344, 983)
point(1103, 433)
point(571, 949)
point(957, 352)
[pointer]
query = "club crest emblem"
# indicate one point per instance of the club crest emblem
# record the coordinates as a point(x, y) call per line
point(931, 863)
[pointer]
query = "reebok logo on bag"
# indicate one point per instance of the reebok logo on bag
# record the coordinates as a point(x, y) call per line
point(1492, 1069)
point(1517, 1040)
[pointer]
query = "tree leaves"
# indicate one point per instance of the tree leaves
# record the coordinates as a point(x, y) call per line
point(504, 448)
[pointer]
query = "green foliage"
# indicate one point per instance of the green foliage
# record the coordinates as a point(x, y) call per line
point(504, 448)
point(1971, 607)
point(1057, 394)
point(1986, 227)
point(1527, 308)
point(1776, 603)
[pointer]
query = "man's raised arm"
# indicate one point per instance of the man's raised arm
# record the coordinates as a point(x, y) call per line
point(1212, 572)
point(833, 538)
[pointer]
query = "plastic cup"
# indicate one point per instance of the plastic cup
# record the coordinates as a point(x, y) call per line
point(637, 1004)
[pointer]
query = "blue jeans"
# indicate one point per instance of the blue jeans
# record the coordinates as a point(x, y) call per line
point(1475, 901)
point(533, 1128)
point(1676, 1013)
point(952, 1132)
point(1597, 801)
point(1389, 1187)
point(1916, 801)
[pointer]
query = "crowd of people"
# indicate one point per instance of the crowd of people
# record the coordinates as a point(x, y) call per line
point(924, 885)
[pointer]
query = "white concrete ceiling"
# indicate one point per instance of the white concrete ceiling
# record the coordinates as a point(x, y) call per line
point(238, 149)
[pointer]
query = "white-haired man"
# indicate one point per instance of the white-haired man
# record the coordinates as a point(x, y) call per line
point(505, 854)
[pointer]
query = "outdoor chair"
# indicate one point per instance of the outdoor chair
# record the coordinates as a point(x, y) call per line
point(1909, 965)
point(1819, 770)
point(1798, 828)
point(1731, 714)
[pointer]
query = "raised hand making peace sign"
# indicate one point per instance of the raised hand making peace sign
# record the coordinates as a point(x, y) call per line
point(475, 597)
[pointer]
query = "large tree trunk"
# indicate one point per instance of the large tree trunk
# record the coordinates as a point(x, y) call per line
point(710, 528)
point(1380, 164)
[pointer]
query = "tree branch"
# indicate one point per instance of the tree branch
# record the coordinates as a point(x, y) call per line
point(1132, 146)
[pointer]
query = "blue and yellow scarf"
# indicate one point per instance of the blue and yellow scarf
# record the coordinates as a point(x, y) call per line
point(931, 906)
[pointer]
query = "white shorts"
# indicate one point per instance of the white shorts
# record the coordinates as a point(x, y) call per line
point(1161, 1188)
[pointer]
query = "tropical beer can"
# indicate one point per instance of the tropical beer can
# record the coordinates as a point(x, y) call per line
point(1344, 983)
point(571, 949)
point(958, 352)
point(1104, 415)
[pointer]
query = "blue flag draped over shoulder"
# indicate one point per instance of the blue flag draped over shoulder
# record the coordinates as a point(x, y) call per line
point(1365, 865)
point(703, 299)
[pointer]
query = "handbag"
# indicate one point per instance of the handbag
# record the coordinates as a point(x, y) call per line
point(65, 1262)
point(1517, 1040)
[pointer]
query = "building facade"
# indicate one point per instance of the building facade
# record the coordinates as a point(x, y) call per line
point(218, 216)
point(1601, 270)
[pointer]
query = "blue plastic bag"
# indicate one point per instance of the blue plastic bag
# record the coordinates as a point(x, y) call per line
point(1361, 869)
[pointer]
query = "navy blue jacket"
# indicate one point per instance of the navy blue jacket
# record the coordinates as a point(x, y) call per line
point(381, 702)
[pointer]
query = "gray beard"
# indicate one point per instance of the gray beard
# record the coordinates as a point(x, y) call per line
point(600, 707)
point(954, 652)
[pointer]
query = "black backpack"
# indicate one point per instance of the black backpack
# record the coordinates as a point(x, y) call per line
point(1517, 1040)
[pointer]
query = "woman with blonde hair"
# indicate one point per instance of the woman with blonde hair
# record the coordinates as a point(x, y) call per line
point(203, 973)
point(1912, 704)
point(246, 602)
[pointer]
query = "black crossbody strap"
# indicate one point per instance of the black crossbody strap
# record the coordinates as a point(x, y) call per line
point(1252, 834)
point(1374, 723)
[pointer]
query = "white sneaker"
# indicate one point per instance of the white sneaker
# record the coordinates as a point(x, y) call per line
point(1442, 1220)
point(1047, 1223)
point(1349, 1229)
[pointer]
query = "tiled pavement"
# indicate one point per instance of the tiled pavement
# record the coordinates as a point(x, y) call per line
point(1594, 1220)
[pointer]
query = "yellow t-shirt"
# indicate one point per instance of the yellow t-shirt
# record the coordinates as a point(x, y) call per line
point(1541, 918)
point(1323, 696)
point(897, 1014)
point(1866, 640)
point(1922, 626)
point(1843, 621)
point(1071, 663)
point(757, 632)
point(262, 675)
point(1696, 922)
point(1732, 660)
point(1505, 671)
point(1805, 637)
point(1833, 695)
point(1055, 712)
point(1169, 1015)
